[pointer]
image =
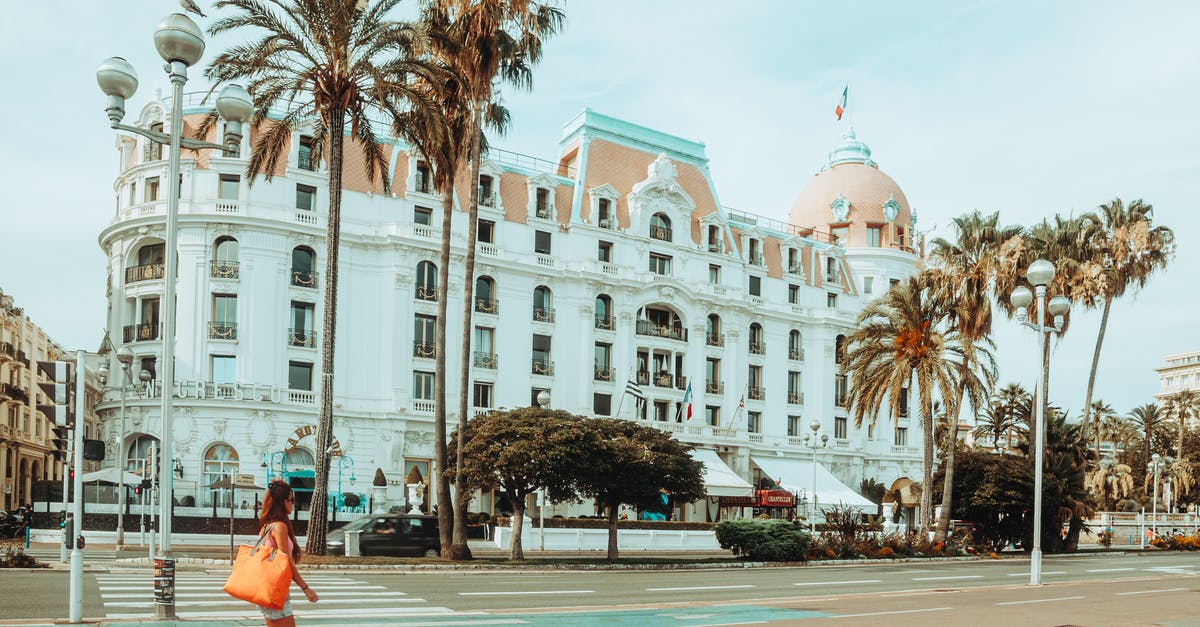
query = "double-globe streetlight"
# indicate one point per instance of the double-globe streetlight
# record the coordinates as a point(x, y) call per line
point(181, 44)
point(1155, 465)
point(1039, 275)
point(812, 441)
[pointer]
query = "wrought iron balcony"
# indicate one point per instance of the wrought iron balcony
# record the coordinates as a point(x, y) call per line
point(23, 358)
point(421, 349)
point(680, 382)
point(758, 348)
point(643, 377)
point(605, 323)
point(663, 380)
point(647, 327)
point(222, 331)
point(796, 354)
point(603, 374)
point(425, 292)
point(715, 339)
point(486, 360)
point(544, 213)
point(304, 278)
point(7, 350)
point(714, 387)
point(302, 337)
point(141, 332)
point(795, 398)
point(756, 259)
point(145, 272)
point(715, 247)
point(660, 233)
point(543, 367)
point(543, 314)
point(795, 268)
point(487, 306)
point(756, 393)
point(223, 269)
point(422, 184)
point(487, 198)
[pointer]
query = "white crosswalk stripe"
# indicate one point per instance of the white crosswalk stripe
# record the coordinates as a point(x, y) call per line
point(131, 596)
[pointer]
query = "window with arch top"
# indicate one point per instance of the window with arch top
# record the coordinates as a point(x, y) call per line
point(225, 258)
point(543, 304)
point(660, 227)
point(757, 346)
point(304, 262)
point(485, 296)
point(604, 313)
point(427, 280)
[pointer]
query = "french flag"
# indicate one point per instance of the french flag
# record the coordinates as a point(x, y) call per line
point(841, 108)
point(687, 400)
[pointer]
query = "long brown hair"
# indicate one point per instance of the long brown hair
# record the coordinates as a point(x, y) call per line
point(274, 510)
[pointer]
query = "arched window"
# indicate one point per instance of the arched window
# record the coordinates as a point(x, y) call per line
point(715, 337)
point(139, 453)
point(795, 346)
point(543, 304)
point(220, 461)
point(427, 280)
point(839, 349)
point(660, 227)
point(304, 262)
point(604, 311)
point(299, 457)
point(225, 258)
point(485, 296)
point(756, 340)
point(149, 263)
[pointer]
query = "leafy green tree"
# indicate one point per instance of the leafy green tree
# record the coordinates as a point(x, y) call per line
point(1099, 412)
point(328, 63)
point(525, 450)
point(993, 494)
point(1065, 496)
point(634, 464)
point(1182, 406)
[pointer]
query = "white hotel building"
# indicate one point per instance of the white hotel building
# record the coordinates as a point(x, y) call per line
point(616, 262)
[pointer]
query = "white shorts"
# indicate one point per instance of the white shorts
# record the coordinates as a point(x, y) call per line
point(271, 613)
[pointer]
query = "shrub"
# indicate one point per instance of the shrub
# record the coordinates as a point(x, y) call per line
point(886, 553)
point(1105, 538)
point(765, 540)
point(15, 557)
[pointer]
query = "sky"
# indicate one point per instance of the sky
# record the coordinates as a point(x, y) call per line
point(1027, 108)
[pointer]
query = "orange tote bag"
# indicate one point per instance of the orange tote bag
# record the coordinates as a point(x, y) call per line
point(261, 575)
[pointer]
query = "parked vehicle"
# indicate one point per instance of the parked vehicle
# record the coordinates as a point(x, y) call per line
point(11, 524)
point(389, 535)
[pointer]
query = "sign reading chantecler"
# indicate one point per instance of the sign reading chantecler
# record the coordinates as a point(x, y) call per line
point(304, 432)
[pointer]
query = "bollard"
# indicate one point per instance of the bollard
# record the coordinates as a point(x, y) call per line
point(352, 544)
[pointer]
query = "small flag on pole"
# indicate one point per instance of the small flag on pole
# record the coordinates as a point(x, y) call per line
point(633, 389)
point(687, 402)
point(843, 103)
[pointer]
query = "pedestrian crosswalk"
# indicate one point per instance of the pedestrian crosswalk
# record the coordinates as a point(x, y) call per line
point(199, 595)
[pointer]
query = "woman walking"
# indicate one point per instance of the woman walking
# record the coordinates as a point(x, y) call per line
point(277, 526)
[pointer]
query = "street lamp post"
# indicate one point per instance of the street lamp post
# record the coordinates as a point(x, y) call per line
point(181, 44)
point(1156, 464)
point(125, 357)
point(543, 400)
point(342, 459)
point(1040, 274)
point(812, 441)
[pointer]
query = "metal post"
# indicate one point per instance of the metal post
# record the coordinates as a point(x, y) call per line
point(121, 466)
point(1035, 560)
point(153, 491)
point(542, 520)
point(812, 518)
point(66, 492)
point(1154, 515)
point(76, 595)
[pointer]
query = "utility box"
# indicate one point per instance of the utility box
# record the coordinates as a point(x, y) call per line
point(352, 549)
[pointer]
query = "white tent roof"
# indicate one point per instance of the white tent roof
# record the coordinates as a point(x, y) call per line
point(720, 479)
point(109, 475)
point(796, 475)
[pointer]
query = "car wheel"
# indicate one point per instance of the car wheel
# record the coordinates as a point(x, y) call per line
point(431, 552)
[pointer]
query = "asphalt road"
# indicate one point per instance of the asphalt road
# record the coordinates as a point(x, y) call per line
point(1082, 590)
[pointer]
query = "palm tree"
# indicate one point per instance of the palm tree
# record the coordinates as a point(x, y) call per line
point(325, 63)
point(1100, 411)
point(1119, 431)
point(992, 423)
point(483, 41)
point(1183, 406)
point(1129, 250)
point(1018, 407)
point(902, 340)
point(1112, 482)
point(1148, 418)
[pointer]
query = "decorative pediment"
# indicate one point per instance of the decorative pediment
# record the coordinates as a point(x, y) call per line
point(840, 208)
point(534, 183)
point(715, 218)
point(891, 208)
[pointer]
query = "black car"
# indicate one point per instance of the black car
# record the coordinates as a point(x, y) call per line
point(390, 535)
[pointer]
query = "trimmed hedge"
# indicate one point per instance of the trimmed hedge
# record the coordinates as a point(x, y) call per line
point(764, 540)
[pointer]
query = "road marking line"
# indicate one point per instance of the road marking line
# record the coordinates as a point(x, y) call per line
point(1044, 572)
point(930, 609)
point(1151, 591)
point(1040, 600)
point(700, 588)
point(233, 601)
point(942, 578)
point(1108, 570)
point(481, 594)
point(837, 583)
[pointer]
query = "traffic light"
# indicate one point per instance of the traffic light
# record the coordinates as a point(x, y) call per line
point(62, 439)
point(58, 390)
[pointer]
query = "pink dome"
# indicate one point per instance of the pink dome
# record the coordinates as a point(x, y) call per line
point(850, 175)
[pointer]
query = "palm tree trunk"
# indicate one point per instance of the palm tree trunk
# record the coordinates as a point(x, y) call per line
point(458, 548)
point(445, 510)
point(948, 484)
point(1087, 398)
point(927, 462)
point(318, 521)
point(1183, 416)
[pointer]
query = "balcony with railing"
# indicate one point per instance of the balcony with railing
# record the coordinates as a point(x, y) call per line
point(486, 360)
point(222, 331)
point(487, 198)
point(795, 398)
point(680, 382)
point(304, 278)
point(756, 393)
point(796, 354)
point(424, 350)
point(647, 327)
point(714, 387)
point(146, 272)
point(13, 393)
point(605, 323)
point(603, 374)
point(304, 338)
point(715, 247)
point(141, 332)
point(427, 293)
point(543, 314)
point(542, 366)
point(543, 212)
point(421, 185)
point(795, 269)
point(756, 259)
point(758, 348)
point(23, 358)
point(660, 233)
point(223, 269)
point(664, 380)
point(487, 306)
point(7, 351)
point(715, 339)
point(643, 377)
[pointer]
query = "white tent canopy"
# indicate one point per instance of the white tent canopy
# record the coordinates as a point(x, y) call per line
point(720, 479)
point(110, 475)
point(796, 475)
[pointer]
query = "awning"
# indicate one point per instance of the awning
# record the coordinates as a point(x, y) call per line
point(719, 479)
point(110, 475)
point(797, 475)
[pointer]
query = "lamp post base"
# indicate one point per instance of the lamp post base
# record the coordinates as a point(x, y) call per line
point(1035, 568)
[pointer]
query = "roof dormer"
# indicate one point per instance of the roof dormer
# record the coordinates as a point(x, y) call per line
point(659, 202)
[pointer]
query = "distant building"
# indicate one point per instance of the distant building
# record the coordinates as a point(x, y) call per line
point(1178, 373)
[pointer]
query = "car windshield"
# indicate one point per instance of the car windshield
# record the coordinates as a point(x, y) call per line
point(359, 524)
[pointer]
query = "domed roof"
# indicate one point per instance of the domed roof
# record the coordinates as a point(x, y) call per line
point(850, 188)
